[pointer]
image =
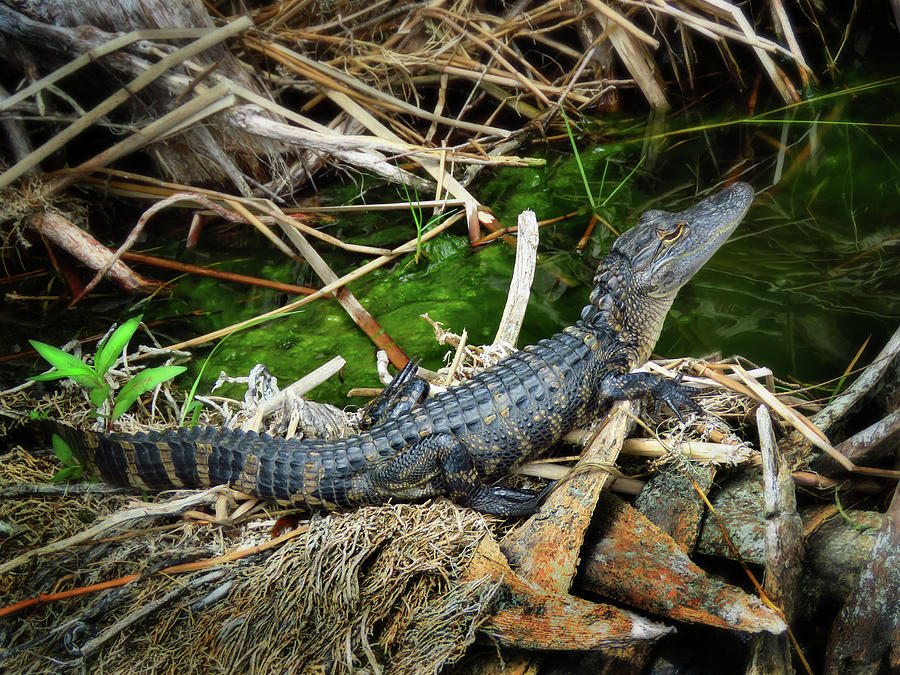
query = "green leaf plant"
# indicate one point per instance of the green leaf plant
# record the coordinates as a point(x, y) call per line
point(72, 469)
point(93, 377)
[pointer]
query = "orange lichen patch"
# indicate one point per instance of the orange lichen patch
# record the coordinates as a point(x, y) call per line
point(636, 562)
point(546, 547)
point(528, 617)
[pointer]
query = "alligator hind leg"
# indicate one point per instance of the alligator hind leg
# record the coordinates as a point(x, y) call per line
point(442, 458)
point(404, 391)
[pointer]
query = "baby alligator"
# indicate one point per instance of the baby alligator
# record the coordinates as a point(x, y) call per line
point(459, 441)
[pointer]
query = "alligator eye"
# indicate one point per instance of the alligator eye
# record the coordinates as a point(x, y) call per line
point(669, 236)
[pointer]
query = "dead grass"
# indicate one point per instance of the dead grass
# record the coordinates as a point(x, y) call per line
point(375, 588)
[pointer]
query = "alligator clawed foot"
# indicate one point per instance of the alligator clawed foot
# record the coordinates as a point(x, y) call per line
point(677, 397)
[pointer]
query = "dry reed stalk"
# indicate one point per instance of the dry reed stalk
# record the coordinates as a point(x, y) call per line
point(110, 103)
point(338, 81)
point(809, 430)
point(450, 184)
point(95, 54)
point(165, 189)
point(361, 316)
point(337, 144)
point(638, 62)
point(525, 82)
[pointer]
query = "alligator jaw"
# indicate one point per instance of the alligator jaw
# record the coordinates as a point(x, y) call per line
point(665, 250)
point(647, 265)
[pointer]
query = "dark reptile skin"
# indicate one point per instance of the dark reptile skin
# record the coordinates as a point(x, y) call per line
point(460, 440)
point(503, 415)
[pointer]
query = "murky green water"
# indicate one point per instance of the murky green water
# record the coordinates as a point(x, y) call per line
point(810, 275)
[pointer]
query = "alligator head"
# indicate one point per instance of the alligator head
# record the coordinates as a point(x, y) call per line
point(636, 283)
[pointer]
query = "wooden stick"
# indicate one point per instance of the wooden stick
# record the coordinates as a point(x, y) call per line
point(85, 248)
point(784, 553)
point(520, 284)
point(217, 274)
point(873, 442)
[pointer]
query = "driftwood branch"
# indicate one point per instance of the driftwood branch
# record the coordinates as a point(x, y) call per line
point(784, 550)
point(520, 284)
point(631, 560)
point(861, 385)
point(546, 548)
point(532, 618)
point(865, 638)
point(84, 247)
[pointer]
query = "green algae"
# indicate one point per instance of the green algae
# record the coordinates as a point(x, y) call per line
point(456, 286)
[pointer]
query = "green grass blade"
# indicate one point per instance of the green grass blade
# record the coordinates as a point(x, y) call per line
point(584, 178)
point(622, 182)
point(98, 395)
point(72, 469)
point(69, 474)
point(84, 378)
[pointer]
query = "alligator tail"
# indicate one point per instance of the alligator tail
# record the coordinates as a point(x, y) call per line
point(198, 457)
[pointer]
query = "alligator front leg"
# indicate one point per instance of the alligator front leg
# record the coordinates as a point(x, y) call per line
point(442, 459)
point(405, 391)
point(635, 385)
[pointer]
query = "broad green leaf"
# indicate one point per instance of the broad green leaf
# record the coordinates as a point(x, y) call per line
point(67, 475)
point(140, 383)
point(99, 394)
point(85, 379)
point(63, 452)
point(66, 365)
point(108, 350)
